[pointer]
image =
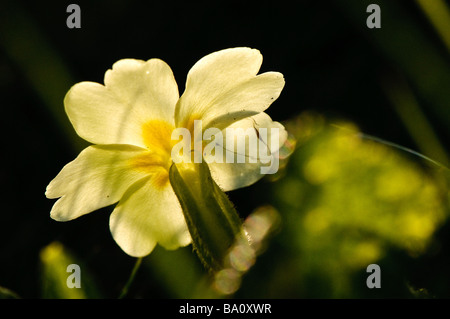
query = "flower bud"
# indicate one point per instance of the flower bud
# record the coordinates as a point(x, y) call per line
point(212, 220)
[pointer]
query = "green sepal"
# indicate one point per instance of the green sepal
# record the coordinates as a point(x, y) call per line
point(211, 218)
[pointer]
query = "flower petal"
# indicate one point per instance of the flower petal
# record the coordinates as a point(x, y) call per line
point(135, 92)
point(223, 87)
point(146, 215)
point(232, 175)
point(98, 177)
point(145, 84)
point(246, 99)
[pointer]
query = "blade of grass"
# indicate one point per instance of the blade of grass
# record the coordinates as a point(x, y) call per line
point(439, 16)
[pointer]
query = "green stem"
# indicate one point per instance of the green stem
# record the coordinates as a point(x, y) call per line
point(130, 280)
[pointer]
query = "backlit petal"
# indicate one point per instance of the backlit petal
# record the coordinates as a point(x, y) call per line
point(223, 87)
point(149, 214)
point(135, 92)
point(232, 175)
point(98, 177)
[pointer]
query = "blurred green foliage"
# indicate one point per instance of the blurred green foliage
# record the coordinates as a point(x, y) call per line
point(347, 201)
point(55, 259)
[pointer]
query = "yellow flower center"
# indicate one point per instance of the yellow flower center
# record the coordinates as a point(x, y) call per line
point(156, 161)
point(157, 136)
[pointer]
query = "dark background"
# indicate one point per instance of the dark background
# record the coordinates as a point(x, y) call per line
point(333, 65)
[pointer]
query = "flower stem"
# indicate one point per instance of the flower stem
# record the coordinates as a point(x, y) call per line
point(124, 291)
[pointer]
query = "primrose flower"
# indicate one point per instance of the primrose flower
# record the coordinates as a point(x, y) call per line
point(130, 121)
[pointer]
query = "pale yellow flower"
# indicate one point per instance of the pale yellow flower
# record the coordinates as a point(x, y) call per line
point(130, 120)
